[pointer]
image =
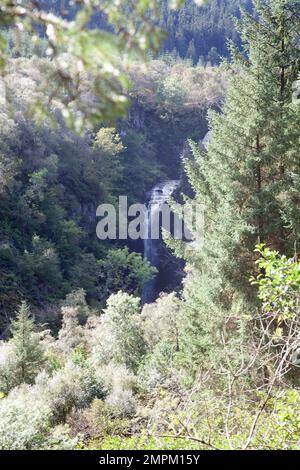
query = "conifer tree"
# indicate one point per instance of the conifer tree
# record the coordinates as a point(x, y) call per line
point(26, 342)
point(248, 178)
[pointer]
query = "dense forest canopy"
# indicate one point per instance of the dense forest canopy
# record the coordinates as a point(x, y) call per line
point(94, 107)
point(201, 32)
point(198, 31)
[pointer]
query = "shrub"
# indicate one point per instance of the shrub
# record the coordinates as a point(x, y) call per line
point(75, 312)
point(120, 338)
point(72, 386)
point(160, 324)
point(160, 320)
point(60, 439)
point(24, 422)
point(8, 367)
point(107, 419)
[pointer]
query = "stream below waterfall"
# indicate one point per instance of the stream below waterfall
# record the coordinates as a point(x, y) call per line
point(159, 196)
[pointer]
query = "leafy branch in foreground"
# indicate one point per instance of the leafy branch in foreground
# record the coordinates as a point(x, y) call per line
point(88, 80)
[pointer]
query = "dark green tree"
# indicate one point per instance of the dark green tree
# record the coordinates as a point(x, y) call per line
point(123, 270)
point(28, 349)
point(248, 178)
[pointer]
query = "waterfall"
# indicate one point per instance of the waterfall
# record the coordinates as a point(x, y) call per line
point(159, 195)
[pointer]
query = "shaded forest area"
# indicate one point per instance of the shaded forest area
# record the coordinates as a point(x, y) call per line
point(53, 180)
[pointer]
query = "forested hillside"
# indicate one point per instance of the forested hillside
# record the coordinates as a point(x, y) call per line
point(96, 109)
point(201, 33)
point(53, 180)
point(196, 32)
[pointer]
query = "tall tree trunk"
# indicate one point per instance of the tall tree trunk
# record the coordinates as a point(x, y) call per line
point(260, 224)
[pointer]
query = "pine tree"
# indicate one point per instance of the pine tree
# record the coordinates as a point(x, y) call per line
point(248, 178)
point(26, 342)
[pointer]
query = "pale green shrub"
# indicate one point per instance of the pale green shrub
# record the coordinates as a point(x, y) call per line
point(24, 422)
point(119, 336)
point(8, 367)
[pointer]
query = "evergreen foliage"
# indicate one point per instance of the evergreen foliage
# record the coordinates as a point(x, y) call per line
point(27, 346)
point(216, 364)
point(247, 178)
point(200, 32)
point(124, 270)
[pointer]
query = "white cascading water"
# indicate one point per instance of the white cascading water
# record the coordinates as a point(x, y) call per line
point(160, 194)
